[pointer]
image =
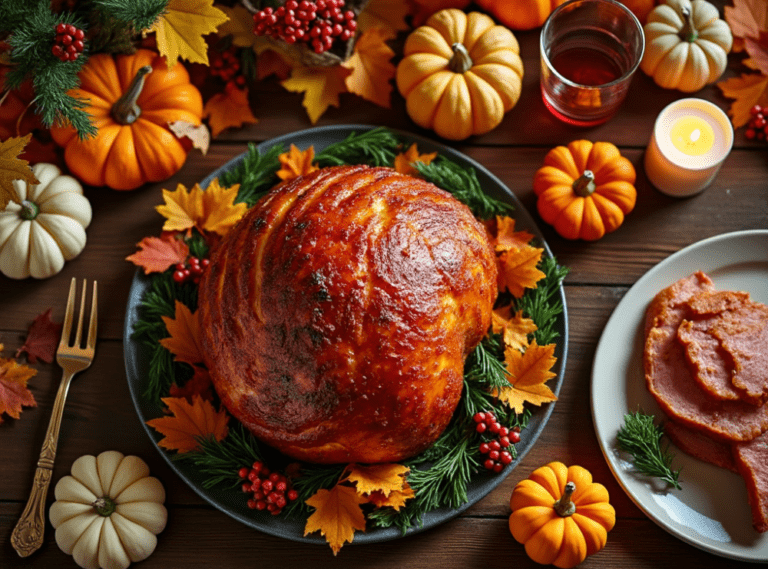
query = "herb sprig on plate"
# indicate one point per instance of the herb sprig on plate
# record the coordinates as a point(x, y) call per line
point(641, 437)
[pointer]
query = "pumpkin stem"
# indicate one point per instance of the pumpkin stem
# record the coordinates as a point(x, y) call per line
point(564, 506)
point(104, 506)
point(29, 210)
point(460, 62)
point(688, 32)
point(584, 185)
point(125, 110)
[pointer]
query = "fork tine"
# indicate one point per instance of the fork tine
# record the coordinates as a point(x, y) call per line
point(79, 332)
point(92, 328)
point(66, 329)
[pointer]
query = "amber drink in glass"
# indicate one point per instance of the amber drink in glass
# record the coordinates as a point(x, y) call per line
point(590, 49)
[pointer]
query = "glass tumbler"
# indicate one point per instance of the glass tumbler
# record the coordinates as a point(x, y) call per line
point(590, 49)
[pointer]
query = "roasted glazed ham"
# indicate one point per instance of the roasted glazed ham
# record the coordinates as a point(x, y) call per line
point(338, 313)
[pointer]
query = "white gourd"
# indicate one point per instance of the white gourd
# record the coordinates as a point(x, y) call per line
point(108, 511)
point(686, 45)
point(46, 227)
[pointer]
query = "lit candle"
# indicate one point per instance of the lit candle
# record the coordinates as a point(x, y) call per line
point(690, 141)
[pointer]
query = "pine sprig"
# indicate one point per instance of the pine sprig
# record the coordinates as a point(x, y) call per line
point(641, 438)
point(540, 305)
point(377, 147)
point(255, 174)
point(139, 15)
point(462, 182)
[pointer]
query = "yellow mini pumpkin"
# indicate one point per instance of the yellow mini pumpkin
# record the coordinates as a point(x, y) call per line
point(584, 190)
point(561, 515)
point(686, 45)
point(460, 73)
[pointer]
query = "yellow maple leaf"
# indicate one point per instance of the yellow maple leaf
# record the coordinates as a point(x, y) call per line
point(506, 237)
point(337, 515)
point(181, 29)
point(188, 423)
point(515, 328)
point(387, 15)
point(371, 68)
point(229, 108)
point(404, 161)
point(321, 87)
point(213, 209)
point(748, 90)
point(384, 478)
point(239, 25)
point(13, 168)
point(295, 163)
point(395, 500)
point(184, 330)
point(527, 373)
point(518, 269)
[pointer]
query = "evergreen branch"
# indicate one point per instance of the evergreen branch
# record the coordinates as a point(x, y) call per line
point(139, 15)
point(255, 174)
point(540, 305)
point(462, 182)
point(376, 147)
point(640, 437)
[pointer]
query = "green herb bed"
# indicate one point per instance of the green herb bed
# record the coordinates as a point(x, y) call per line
point(448, 477)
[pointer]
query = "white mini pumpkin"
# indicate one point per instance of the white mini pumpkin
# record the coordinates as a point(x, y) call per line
point(46, 227)
point(108, 512)
point(686, 45)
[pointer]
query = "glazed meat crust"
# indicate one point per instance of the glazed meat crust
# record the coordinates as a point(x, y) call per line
point(338, 313)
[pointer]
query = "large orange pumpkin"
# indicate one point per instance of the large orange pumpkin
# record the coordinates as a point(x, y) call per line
point(131, 99)
point(520, 14)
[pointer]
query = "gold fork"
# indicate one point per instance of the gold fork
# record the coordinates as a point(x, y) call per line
point(27, 536)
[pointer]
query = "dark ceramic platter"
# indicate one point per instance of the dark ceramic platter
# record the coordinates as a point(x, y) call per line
point(232, 501)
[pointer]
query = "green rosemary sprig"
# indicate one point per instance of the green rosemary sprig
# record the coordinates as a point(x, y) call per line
point(462, 182)
point(255, 174)
point(377, 147)
point(641, 438)
point(541, 305)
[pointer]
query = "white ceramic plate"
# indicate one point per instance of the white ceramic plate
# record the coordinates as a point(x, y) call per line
point(711, 511)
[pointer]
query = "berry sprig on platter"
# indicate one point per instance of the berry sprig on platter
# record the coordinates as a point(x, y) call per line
point(441, 476)
point(757, 127)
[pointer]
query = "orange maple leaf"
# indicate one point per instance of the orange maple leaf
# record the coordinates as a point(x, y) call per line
point(213, 209)
point(13, 387)
point(505, 238)
point(748, 90)
point(404, 161)
point(518, 269)
point(515, 328)
point(199, 384)
point(747, 17)
point(321, 87)
point(384, 478)
point(157, 254)
point(184, 340)
point(228, 109)
point(189, 423)
point(371, 68)
point(295, 163)
point(527, 373)
point(395, 500)
point(337, 515)
point(387, 15)
point(270, 62)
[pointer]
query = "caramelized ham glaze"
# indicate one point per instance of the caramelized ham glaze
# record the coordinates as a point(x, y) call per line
point(338, 313)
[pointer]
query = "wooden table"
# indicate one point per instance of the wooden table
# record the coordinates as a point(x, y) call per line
point(99, 414)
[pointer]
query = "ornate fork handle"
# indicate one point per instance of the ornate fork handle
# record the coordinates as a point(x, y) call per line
point(27, 536)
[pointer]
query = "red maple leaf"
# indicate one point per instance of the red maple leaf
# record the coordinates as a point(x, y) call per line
point(157, 254)
point(42, 339)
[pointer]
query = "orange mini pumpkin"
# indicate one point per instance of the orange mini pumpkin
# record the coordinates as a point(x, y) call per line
point(520, 14)
point(585, 189)
point(561, 515)
point(131, 99)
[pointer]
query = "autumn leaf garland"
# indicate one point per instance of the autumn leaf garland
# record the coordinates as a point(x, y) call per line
point(341, 505)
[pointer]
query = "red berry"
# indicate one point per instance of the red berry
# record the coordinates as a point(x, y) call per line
point(281, 502)
point(514, 437)
point(493, 455)
point(261, 504)
point(257, 493)
point(243, 472)
point(749, 133)
point(292, 495)
point(246, 487)
point(484, 448)
point(495, 445)
point(251, 504)
point(66, 40)
point(478, 417)
point(281, 487)
point(488, 464)
point(267, 485)
point(498, 467)
point(505, 457)
point(755, 109)
point(57, 50)
point(481, 427)
point(504, 442)
point(494, 428)
point(61, 28)
point(253, 476)
point(179, 276)
point(71, 29)
point(79, 34)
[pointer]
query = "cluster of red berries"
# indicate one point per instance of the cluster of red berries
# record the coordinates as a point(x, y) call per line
point(69, 42)
point(757, 127)
point(496, 449)
point(192, 270)
point(271, 490)
point(317, 23)
point(226, 65)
